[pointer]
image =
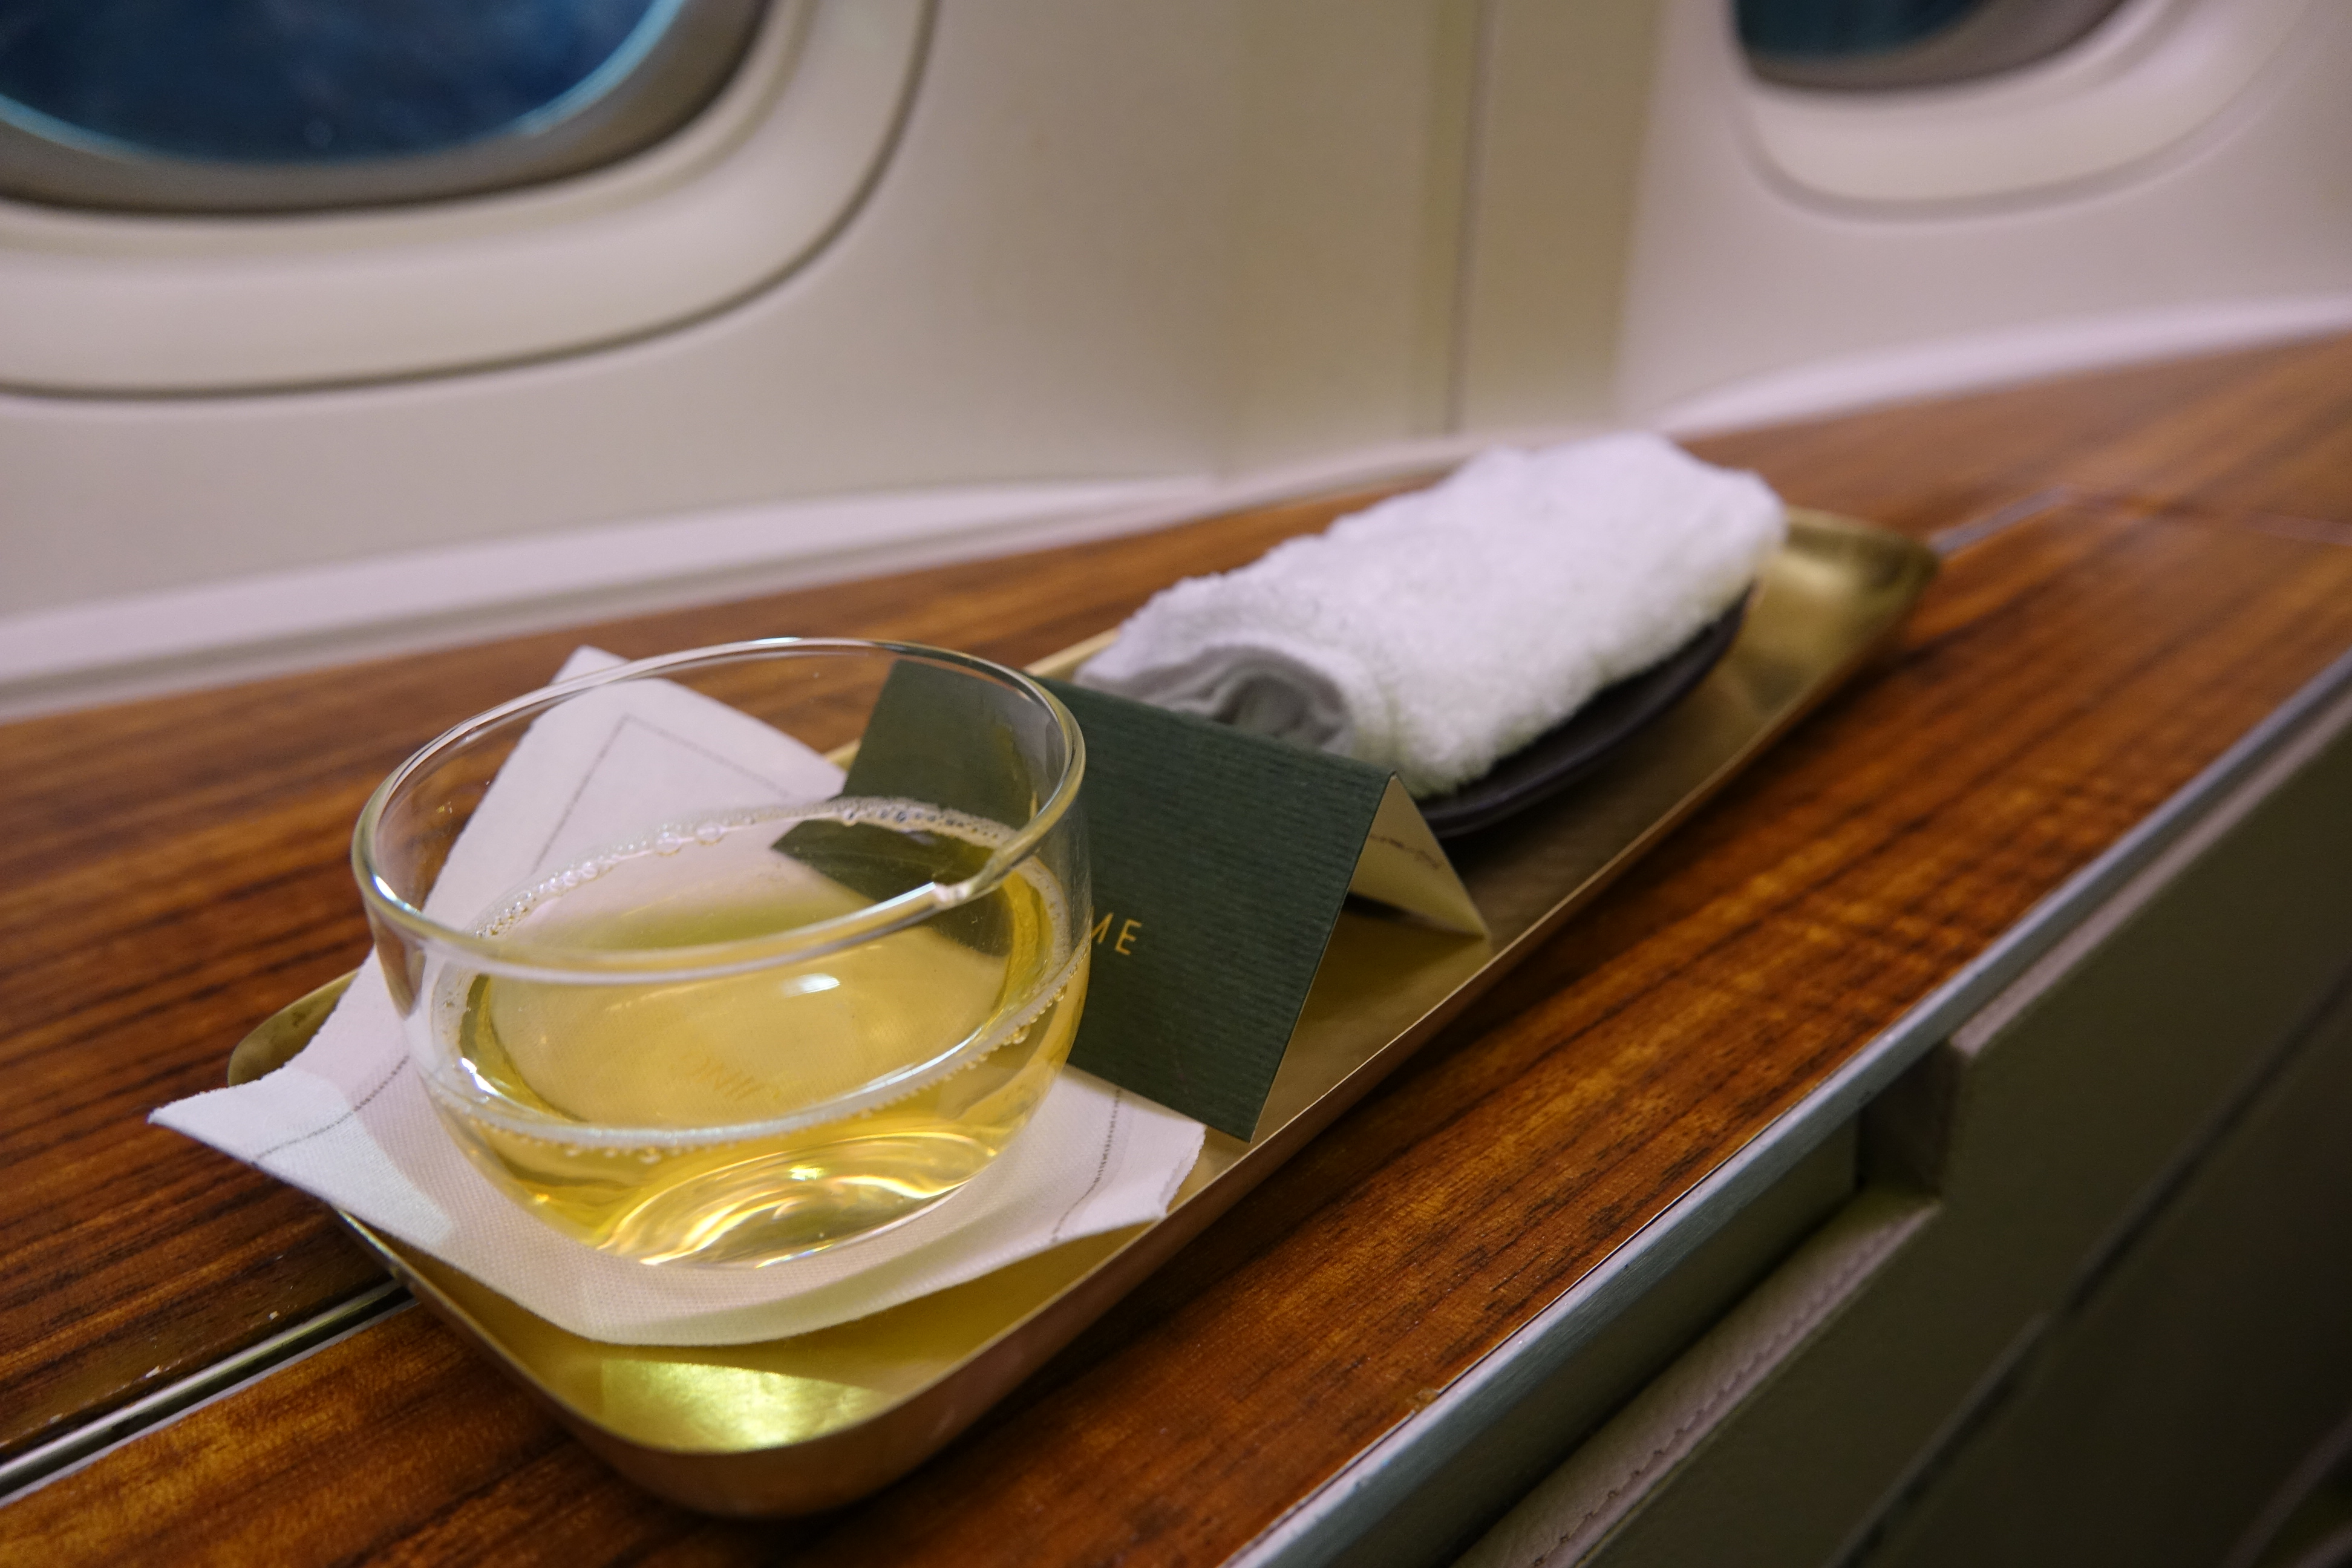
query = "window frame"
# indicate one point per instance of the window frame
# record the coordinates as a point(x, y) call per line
point(101, 303)
point(1997, 37)
point(695, 48)
point(2149, 76)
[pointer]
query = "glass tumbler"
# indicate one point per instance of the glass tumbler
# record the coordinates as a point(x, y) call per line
point(728, 955)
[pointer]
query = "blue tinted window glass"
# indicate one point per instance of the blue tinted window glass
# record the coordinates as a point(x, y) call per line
point(276, 81)
point(1832, 27)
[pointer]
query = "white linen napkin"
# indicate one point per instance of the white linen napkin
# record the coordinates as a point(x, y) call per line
point(1438, 631)
point(347, 1120)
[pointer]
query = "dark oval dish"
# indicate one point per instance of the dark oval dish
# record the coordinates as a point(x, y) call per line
point(1586, 738)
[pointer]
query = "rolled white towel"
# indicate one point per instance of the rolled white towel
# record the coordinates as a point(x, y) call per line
point(1438, 631)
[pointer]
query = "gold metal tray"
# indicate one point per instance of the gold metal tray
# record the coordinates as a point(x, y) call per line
point(798, 1425)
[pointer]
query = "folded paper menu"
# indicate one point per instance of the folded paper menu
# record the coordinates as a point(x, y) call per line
point(347, 1120)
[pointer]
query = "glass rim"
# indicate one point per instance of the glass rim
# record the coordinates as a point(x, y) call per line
point(558, 961)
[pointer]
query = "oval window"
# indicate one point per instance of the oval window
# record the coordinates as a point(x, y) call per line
point(1875, 45)
point(291, 105)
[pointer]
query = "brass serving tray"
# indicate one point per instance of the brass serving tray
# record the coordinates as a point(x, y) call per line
point(799, 1425)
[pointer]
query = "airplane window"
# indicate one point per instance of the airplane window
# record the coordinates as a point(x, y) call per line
point(289, 105)
point(1875, 45)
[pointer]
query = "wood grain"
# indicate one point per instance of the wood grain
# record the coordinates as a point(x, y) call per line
point(503, 1483)
point(2266, 431)
point(177, 872)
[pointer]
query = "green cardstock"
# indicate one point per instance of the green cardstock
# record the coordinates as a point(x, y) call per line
point(1220, 861)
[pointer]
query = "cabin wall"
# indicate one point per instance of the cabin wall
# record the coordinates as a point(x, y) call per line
point(2176, 179)
point(1120, 263)
point(1145, 240)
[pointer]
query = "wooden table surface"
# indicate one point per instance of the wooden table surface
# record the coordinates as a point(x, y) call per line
point(2161, 556)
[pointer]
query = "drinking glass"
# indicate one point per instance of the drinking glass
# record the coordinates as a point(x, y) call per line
point(691, 992)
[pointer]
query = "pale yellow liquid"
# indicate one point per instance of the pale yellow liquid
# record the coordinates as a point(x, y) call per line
point(857, 1088)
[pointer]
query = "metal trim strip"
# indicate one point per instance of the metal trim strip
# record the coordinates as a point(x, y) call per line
point(69, 1451)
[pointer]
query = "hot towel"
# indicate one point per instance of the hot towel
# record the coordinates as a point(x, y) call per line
point(1440, 631)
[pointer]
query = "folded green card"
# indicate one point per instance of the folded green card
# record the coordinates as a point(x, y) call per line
point(1221, 860)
